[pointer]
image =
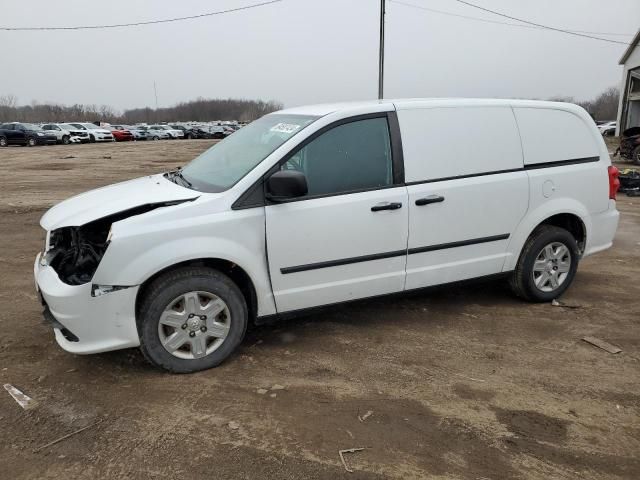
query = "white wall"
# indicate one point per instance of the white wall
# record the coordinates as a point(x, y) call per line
point(632, 62)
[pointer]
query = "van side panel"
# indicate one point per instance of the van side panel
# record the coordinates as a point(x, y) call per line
point(566, 161)
point(550, 135)
point(446, 142)
point(472, 158)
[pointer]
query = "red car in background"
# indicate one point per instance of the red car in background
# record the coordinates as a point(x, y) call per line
point(121, 134)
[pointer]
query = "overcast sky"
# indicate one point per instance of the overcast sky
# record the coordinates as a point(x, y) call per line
point(307, 51)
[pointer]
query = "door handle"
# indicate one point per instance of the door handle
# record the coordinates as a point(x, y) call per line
point(430, 199)
point(386, 206)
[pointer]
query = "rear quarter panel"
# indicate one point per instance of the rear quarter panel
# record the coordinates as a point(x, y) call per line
point(554, 134)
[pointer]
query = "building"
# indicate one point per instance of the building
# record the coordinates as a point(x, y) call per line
point(629, 107)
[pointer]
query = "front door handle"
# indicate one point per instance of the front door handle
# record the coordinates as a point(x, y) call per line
point(386, 206)
point(430, 199)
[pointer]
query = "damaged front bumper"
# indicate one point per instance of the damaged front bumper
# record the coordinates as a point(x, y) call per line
point(83, 323)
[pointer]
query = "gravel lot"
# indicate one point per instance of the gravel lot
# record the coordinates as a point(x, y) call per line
point(465, 382)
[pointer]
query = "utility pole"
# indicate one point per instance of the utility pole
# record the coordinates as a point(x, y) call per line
point(381, 57)
point(155, 91)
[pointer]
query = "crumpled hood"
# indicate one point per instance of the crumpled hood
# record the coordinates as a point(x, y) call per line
point(101, 202)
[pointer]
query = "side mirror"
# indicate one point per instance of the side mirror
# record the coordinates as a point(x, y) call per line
point(286, 184)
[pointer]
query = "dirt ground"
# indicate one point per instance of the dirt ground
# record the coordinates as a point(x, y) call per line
point(463, 383)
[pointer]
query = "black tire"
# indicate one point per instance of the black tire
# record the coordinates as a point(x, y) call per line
point(65, 139)
point(92, 139)
point(522, 279)
point(3, 142)
point(155, 137)
point(31, 142)
point(189, 136)
point(635, 155)
point(163, 290)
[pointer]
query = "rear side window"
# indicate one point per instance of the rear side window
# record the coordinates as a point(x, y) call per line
point(554, 135)
point(349, 157)
point(445, 142)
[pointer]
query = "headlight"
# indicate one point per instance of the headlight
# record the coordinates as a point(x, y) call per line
point(40, 134)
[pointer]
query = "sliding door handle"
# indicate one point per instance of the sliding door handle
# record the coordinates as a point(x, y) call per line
point(386, 206)
point(430, 199)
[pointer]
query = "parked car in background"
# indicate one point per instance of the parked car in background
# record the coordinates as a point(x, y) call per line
point(137, 133)
point(121, 134)
point(213, 131)
point(173, 132)
point(66, 134)
point(154, 133)
point(187, 132)
point(80, 133)
point(608, 129)
point(630, 145)
point(24, 134)
point(96, 133)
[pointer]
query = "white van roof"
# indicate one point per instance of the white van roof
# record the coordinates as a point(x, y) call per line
point(408, 103)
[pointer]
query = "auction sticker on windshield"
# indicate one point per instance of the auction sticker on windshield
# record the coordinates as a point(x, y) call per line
point(285, 128)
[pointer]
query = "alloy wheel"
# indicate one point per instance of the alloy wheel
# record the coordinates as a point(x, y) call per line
point(194, 325)
point(551, 267)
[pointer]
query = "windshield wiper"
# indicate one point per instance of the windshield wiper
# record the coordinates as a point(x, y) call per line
point(178, 174)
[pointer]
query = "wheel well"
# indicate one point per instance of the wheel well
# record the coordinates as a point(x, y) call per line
point(233, 271)
point(573, 224)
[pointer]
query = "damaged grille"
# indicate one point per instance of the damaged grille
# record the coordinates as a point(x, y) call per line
point(75, 252)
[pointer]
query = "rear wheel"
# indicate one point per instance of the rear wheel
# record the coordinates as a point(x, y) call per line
point(3, 142)
point(155, 137)
point(92, 139)
point(191, 319)
point(65, 139)
point(547, 264)
point(635, 155)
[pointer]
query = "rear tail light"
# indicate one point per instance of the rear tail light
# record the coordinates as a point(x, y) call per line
point(614, 181)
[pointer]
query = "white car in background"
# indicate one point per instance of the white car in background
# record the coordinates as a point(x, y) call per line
point(154, 133)
point(608, 129)
point(173, 132)
point(96, 133)
point(66, 134)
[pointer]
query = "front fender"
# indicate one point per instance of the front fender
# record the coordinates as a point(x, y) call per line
point(535, 217)
point(132, 259)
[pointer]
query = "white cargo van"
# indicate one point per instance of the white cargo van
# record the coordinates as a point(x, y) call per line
point(324, 204)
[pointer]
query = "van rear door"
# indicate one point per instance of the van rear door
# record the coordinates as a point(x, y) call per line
point(467, 190)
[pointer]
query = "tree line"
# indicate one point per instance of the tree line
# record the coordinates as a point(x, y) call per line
point(199, 110)
point(602, 107)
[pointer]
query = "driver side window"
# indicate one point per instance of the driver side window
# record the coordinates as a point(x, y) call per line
point(350, 157)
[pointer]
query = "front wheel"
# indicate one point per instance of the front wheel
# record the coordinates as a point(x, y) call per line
point(65, 139)
point(3, 142)
point(31, 142)
point(191, 319)
point(635, 156)
point(547, 264)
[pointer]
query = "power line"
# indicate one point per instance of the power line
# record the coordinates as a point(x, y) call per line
point(150, 22)
point(468, 17)
point(568, 32)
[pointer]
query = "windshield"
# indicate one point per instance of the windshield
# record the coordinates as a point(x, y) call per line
point(224, 164)
point(31, 126)
point(92, 126)
point(76, 125)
